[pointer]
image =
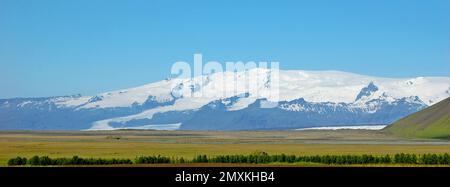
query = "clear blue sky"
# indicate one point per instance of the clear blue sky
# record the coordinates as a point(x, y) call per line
point(68, 47)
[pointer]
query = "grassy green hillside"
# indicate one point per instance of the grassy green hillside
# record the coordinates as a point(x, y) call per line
point(432, 122)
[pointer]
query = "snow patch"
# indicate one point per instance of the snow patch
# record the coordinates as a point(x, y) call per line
point(362, 127)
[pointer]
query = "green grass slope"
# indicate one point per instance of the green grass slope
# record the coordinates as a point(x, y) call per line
point(431, 122)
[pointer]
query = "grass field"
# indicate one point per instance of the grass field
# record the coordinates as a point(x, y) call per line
point(187, 144)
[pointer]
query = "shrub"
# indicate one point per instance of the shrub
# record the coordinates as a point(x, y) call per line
point(17, 161)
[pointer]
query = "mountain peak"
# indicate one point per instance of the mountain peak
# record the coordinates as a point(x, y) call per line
point(367, 91)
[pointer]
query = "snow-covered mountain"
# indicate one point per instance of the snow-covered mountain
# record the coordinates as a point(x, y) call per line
point(306, 99)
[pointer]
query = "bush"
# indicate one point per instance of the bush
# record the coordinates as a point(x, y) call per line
point(34, 160)
point(17, 161)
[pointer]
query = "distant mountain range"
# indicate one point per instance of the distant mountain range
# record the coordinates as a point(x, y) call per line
point(432, 122)
point(306, 99)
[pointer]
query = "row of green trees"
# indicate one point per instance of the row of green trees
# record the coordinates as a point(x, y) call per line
point(75, 160)
point(255, 158)
point(325, 159)
point(153, 160)
point(328, 159)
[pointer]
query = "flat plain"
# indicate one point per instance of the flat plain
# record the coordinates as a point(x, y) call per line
point(188, 144)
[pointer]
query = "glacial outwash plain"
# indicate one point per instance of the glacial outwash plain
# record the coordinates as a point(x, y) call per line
point(189, 144)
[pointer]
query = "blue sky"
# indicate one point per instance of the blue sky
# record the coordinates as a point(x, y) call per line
point(67, 47)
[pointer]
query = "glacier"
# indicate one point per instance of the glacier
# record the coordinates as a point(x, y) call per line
point(307, 99)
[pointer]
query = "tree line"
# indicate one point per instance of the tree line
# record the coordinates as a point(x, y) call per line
point(264, 158)
point(255, 158)
point(75, 160)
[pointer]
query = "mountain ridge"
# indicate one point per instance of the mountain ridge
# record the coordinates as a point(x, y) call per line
point(377, 100)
